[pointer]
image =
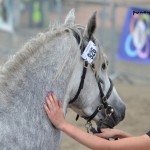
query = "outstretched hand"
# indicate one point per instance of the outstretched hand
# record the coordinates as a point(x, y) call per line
point(112, 133)
point(53, 108)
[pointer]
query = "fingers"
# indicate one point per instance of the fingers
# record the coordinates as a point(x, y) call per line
point(101, 135)
point(105, 133)
point(53, 96)
point(49, 104)
point(47, 110)
point(52, 102)
point(52, 99)
point(54, 110)
point(108, 133)
point(60, 104)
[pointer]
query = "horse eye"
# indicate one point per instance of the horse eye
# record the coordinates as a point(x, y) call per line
point(103, 66)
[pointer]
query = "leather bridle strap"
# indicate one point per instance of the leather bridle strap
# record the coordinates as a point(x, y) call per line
point(104, 104)
point(105, 97)
point(92, 116)
point(85, 65)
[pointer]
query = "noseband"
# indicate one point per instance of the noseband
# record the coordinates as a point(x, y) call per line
point(108, 110)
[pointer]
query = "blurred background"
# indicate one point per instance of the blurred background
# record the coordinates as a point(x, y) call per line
point(124, 36)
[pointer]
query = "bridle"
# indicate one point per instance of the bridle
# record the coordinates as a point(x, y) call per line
point(108, 109)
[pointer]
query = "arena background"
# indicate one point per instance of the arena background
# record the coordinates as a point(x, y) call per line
point(132, 80)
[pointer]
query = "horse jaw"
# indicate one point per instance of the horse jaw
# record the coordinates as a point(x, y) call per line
point(70, 18)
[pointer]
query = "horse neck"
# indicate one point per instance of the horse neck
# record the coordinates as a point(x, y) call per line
point(49, 69)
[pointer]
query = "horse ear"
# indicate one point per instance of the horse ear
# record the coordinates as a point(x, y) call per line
point(70, 18)
point(91, 26)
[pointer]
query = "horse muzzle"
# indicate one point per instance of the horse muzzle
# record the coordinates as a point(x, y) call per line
point(112, 120)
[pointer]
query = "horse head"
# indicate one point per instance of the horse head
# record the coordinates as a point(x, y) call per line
point(56, 60)
point(93, 96)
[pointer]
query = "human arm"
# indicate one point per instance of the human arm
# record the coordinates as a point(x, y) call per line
point(55, 114)
point(54, 111)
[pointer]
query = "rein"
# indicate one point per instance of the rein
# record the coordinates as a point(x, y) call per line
point(108, 109)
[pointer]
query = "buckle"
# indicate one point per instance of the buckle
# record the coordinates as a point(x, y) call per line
point(109, 111)
point(93, 66)
point(104, 99)
point(85, 64)
point(100, 107)
point(88, 126)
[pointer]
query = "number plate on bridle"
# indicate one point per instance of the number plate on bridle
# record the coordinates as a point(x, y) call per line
point(89, 52)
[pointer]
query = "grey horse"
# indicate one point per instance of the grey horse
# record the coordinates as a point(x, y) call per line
point(52, 62)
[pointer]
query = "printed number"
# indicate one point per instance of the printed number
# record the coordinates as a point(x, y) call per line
point(92, 53)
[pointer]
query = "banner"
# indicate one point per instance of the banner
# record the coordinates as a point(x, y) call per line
point(135, 38)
